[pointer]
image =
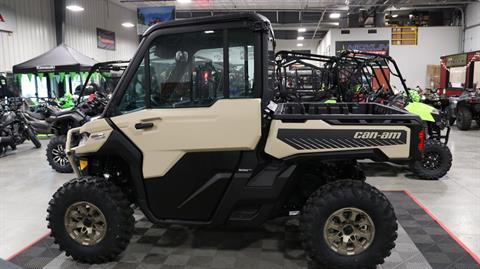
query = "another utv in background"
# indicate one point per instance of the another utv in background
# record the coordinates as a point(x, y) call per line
point(465, 108)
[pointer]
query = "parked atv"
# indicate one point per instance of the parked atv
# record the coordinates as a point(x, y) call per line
point(437, 158)
point(51, 120)
point(14, 128)
point(465, 109)
point(193, 154)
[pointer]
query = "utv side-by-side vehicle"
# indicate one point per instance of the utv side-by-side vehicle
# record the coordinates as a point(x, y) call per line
point(191, 137)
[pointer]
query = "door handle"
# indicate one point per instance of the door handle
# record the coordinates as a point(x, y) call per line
point(144, 125)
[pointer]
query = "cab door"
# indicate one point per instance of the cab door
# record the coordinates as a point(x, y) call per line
point(191, 109)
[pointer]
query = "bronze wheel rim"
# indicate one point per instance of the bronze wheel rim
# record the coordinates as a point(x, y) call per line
point(349, 231)
point(85, 223)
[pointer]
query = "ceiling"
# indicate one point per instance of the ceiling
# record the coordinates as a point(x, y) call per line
point(287, 4)
point(287, 16)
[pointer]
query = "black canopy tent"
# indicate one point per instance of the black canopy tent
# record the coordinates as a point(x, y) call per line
point(61, 60)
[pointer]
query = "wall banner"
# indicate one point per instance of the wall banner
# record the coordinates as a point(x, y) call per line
point(8, 19)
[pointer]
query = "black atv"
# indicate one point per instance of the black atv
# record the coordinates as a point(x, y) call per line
point(465, 108)
point(14, 128)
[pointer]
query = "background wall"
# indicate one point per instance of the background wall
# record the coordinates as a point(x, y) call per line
point(81, 29)
point(35, 32)
point(433, 42)
point(472, 30)
point(289, 44)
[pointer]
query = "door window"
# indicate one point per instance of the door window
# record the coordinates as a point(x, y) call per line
point(186, 69)
point(241, 63)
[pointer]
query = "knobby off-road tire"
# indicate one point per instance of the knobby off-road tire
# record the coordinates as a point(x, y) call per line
point(343, 196)
point(436, 162)
point(464, 118)
point(56, 155)
point(34, 138)
point(107, 202)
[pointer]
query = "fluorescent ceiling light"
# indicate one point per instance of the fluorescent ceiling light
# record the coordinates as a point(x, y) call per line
point(128, 25)
point(302, 30)
point(299, 45)
point(184, 1)
point(394, 15)
point(209, 32)
point(300, 38)
point(334, 15)
point(75, 8)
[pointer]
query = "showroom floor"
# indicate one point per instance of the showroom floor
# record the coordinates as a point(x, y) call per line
point(27, 183)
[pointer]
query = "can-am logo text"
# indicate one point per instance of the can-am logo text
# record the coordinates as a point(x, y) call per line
point(377, 135)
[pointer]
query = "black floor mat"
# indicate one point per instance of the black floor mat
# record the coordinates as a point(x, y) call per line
point(422, 243)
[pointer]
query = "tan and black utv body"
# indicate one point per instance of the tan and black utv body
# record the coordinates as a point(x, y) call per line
point(191, 137)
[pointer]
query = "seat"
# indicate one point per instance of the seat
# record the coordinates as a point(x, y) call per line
point(62, 112)
point(38, 116)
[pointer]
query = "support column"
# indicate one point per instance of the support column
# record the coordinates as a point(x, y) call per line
point(59, 6)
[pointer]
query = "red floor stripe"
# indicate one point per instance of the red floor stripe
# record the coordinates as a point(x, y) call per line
point(28, 246)
point(454, 237)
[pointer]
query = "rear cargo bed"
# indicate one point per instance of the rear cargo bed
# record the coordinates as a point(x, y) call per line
point(352, 113)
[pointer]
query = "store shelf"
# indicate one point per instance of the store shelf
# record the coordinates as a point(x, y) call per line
point(404, 35)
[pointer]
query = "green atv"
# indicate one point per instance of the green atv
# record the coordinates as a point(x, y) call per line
point(66, 101)
point(437, 158)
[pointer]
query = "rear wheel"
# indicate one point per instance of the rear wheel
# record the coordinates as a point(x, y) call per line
point(436, 162)
point(348, 224)
point(56, 156)
point(464, 118)
point(90, 219)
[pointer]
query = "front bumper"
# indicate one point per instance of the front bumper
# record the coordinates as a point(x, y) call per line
point(70, 149)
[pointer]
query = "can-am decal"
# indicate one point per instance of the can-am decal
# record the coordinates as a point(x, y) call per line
point(306, 139)
point(377, 135)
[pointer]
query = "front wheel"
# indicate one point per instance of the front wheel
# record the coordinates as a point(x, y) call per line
point(464, 118)
point(33, 138)
point(436, 161)
point(90, 219)
point(56, 156)
point(348, 224)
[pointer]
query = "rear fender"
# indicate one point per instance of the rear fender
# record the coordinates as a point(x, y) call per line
point(424, 111)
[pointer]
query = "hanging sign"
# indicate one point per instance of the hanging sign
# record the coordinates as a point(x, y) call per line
point(457, 60)
point(8, 19)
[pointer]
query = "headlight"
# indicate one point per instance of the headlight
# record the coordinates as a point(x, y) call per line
point(83, 140)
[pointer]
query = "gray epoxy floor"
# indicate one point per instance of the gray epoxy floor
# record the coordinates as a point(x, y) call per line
point(27, 183)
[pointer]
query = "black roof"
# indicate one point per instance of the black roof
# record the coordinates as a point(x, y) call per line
point(59, 59)
point(254, 17)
